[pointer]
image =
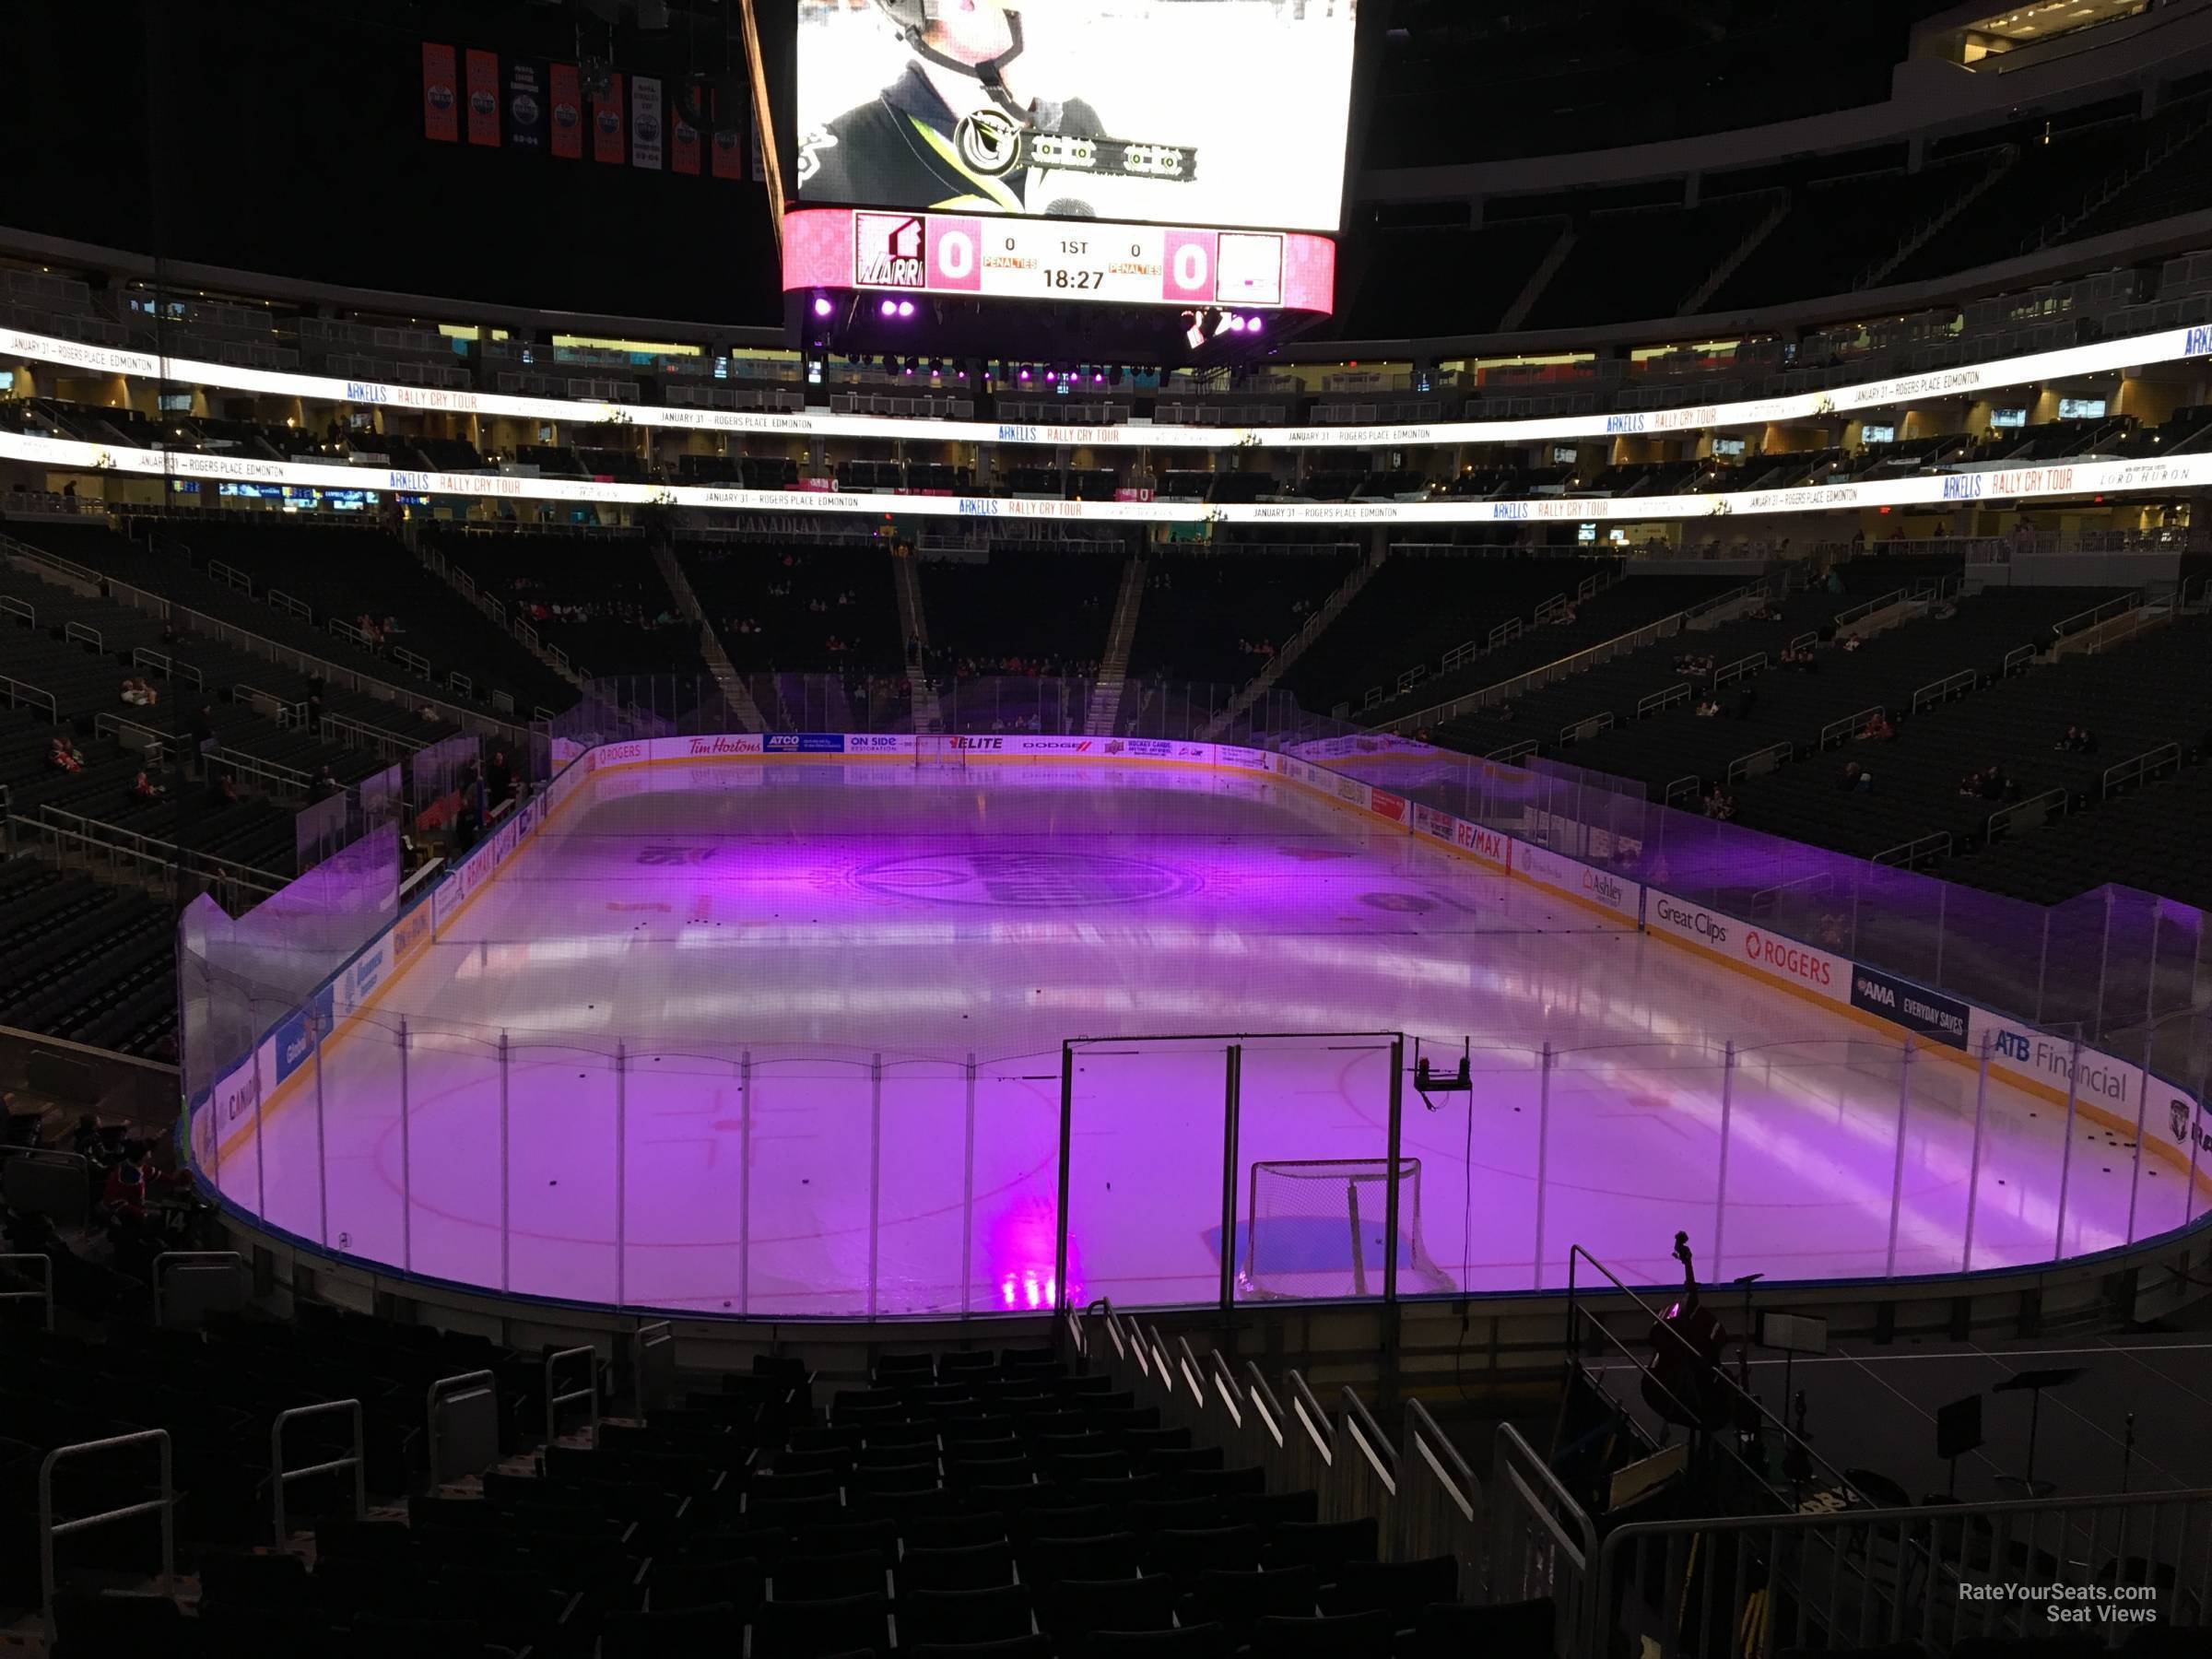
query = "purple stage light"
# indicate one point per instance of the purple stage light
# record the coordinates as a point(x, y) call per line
point(1253, 325)
point(1098, 380)
point(1025, 374)
point(906, 308)
point(890, 308)
point(821, 305)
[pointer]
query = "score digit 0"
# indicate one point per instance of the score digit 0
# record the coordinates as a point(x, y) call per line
point(956, 255)
point(1191, 267)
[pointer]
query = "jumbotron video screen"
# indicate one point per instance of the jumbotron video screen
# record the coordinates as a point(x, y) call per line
point(1221, 112)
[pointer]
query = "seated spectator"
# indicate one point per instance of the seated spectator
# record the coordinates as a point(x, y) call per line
point(1855, 779)
point(224, 791)
point(64, 757)
point(1878, 730)
point(138, 694)
point(144, 788)
point(2077, 741)
point(1969, 785)
point(1996, 786)
point(326, 784)
point(1746, 699)
point(1852, 642)
point(1708, 709)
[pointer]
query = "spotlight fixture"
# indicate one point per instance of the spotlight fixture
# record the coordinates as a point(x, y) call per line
point(890, 308)
point(906, 308)
point(821, 305)
point(1251, 325)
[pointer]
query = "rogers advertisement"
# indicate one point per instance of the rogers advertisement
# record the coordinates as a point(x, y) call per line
point(1764, 953)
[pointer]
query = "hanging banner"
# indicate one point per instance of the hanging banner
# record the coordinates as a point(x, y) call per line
point(607, 133)
point(645, 121)
point(729, 141)
point(526, 114)
point(484, 98)
point(441, 101)
point(567, 123)
point(683, 140)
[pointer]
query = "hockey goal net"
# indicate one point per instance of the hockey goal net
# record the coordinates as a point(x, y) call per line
point(1315, 1228)
point(939, 751)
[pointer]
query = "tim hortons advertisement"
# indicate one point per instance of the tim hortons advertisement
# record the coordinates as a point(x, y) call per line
point(1783, 960)
point(1577, 880)
point(732, 745)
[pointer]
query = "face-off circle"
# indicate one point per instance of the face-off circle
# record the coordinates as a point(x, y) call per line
point(1039, 880)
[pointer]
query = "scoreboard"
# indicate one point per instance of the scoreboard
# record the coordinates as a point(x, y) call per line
point(1003, 258)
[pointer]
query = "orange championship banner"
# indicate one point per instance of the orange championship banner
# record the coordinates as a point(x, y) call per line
point(683, 137)
point(440, 98)
point(610, 136)
point(728, 140)
point(484, 98)
point(566, 121)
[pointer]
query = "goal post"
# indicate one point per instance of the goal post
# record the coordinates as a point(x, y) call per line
point(1315, 1227)
point(939, 751)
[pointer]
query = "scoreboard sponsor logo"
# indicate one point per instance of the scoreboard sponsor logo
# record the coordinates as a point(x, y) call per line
point(887, 251)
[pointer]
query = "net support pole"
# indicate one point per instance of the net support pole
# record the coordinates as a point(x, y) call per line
point(407, 1157)
point(506, 1174)
point(321, 1146)
point(1390, 1195)
point(1068, 1118)
point(261, 1157)
point(1543, 1151)
point(1897, 1165)
point(1720, 1185)
point(875, 1177)
point(1973, 1171)
point(621, 1169)
point(2065, 1156)
point(1232, 1088)
point(2135, 1180)
point(745, 1182)
point(967, 1190)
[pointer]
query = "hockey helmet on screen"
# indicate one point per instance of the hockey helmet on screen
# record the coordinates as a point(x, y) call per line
point(913, 18)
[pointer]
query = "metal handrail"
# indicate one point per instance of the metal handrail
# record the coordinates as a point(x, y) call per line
point(1860, 612)
point(1869, 1523)
point(1225, 1387)
point(2138, 768)
point(1790, 1437)
point(1741, 766)
point(553, 1401)
point(1659, 701)
point(1308, 1411)
point(44, 1294)
point(1849, 725)
point(50, 1529)
point(1263, 1402)
point(1381, 1455)
point(1907, 854)
point(281, 1477)
point(1940, 691)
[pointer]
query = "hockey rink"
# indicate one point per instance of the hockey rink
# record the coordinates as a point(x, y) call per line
point(785, 1039)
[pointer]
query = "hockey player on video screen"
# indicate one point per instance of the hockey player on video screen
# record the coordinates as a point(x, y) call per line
point(941, 135)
